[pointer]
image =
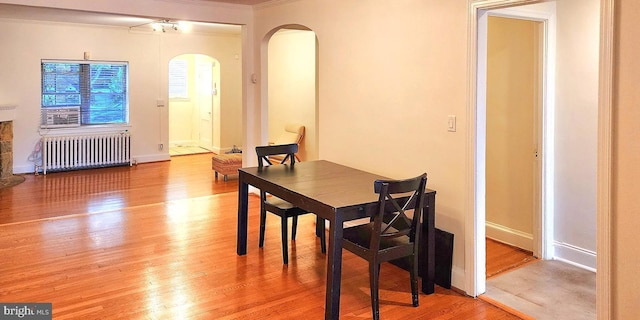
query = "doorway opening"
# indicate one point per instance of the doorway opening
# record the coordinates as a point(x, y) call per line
point(514, 134)
point(514, 104)
point(291, 96)
point(554, 193)
point(194, 104)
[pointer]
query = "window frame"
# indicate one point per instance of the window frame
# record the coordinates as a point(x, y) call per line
point(85, 92)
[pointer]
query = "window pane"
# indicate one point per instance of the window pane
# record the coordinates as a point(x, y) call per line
point(107, 94)
point(60, 84)
point(107, 108)
point(178, 83)
point(100, 89)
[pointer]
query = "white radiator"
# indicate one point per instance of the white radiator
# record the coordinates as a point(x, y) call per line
point(63, 153)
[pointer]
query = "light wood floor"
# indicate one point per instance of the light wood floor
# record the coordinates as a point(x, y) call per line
point(157, 241)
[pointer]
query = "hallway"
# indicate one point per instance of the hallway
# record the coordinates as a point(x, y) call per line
point(541, 289)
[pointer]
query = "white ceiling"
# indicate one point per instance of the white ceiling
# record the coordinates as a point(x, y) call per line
point(9, 11)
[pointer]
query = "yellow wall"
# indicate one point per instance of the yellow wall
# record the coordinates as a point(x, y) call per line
point(512, 76)
point(292, 87)
point(185, 114)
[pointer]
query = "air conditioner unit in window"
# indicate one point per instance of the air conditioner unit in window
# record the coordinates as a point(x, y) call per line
point(61, 117)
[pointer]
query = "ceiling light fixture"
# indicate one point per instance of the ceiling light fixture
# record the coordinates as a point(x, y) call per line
point(162, 25)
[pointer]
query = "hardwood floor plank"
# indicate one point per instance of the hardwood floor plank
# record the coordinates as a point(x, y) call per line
point(158, 241)
point(503, 257)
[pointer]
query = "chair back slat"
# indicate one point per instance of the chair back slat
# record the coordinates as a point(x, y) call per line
point(288, 150)
point(395, 198)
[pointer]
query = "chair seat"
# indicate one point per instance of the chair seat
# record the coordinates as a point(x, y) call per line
point(360, 235)
point(282, 208)
point(281, 204)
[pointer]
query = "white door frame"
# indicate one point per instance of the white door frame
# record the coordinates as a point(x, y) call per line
point(475, 216)
point(543, 213)
point(544, 123)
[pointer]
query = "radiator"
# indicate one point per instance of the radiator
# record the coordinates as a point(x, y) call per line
point(64, 153)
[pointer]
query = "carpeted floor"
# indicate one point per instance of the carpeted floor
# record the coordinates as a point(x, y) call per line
point(547, 290)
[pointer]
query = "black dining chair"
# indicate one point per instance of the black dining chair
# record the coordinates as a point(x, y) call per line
point(279, 207)
point(390, 234)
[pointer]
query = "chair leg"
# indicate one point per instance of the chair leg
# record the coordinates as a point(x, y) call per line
point(414, 280)
point(263, 221)
point(374, 276)
point(285, 244)
point(320, 231)
point(294, 227)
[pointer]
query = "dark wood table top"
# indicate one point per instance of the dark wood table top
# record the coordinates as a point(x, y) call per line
point(330, 183)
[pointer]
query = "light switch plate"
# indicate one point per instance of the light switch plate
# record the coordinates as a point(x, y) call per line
point(451, 123)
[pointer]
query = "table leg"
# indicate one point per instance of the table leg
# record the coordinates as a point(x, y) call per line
point(243, 208)
point(334, 271)
point(429, 239)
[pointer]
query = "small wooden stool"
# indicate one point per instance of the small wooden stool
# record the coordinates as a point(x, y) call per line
point(226, 164)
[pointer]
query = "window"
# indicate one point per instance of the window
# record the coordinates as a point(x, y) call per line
point(178, 79)
point(98, 89)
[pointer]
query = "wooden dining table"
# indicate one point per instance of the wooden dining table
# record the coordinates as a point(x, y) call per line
point(336, 193)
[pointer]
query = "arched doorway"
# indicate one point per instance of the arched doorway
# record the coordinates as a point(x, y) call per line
point(194, 104)
point(292, 85)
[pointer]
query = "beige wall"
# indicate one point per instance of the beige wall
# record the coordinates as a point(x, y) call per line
point(419, 51)
point(386, 87)
point(292, 86)
point(148, 54)
point(626, 157)
point(512, 97)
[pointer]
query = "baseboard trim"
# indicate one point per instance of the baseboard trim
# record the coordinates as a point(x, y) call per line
point(151, 158)
point(579, 257)
point(509, 236)
point(457, 277)
point(24, 169)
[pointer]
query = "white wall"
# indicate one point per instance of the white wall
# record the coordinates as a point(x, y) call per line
point(25, 43)
point(292, 87)
point(576, 130)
